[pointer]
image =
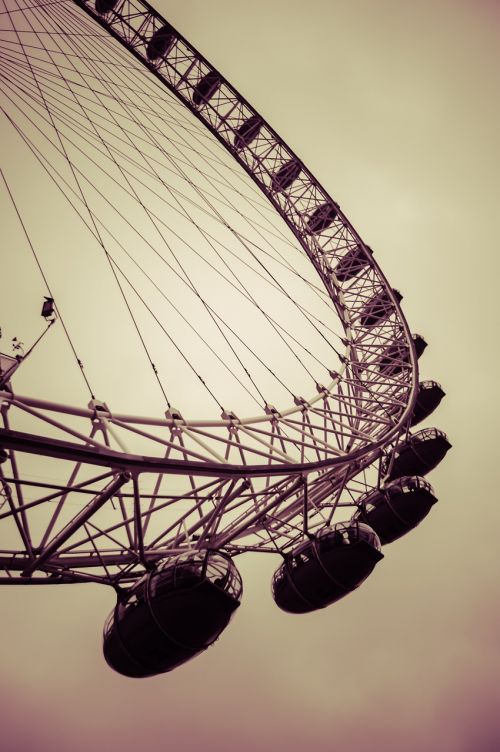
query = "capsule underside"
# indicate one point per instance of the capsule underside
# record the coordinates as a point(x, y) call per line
point(394, 359)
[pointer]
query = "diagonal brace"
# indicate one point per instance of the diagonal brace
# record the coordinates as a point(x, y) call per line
point(85, 514)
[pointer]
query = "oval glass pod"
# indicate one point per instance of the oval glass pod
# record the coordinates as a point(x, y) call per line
point(379, 308)
point(352, 263)
point(161, 42)
point(247, 132)
point(430, 394)
point(285, 176)
point(323, 569)
point(420, 344)
point(206, 88)
point(420, 454)
point(396, 509)
point(173, 613)
point(321, 218)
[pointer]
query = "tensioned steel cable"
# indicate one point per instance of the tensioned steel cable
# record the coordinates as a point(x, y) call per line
point(91, 216)
point(162, 236)
point(47, 285)
point(61, 181)
point(150, 81)
point(288, 266)
point(109, 42)
point(59, 185)
point(19, 88)
point(298, 343)
point(137, 166)
point(204, 198)
point(245, 240)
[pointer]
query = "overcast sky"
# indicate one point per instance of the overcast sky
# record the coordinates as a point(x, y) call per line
point(394, 107)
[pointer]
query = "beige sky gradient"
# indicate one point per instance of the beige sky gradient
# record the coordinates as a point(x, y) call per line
point(394, 107)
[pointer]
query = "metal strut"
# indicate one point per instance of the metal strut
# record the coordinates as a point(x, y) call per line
point(82, 517)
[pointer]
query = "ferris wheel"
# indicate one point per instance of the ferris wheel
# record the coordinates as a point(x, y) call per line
point(189, 264)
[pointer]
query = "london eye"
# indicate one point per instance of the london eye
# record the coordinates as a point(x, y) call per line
point(221, 366)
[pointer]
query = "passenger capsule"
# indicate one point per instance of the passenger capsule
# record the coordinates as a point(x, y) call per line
point(248, 132)
point(430, 394)
point(420, 344)
point(161, 42)
point(420, 454)
point(394, 358)
point(398, 508)
point(285, 176)
point(173, 613)
point(321, 218)
point(320, 571)
point(352, 263)
point(104, 6)
point(206, 88)
point(378, 308)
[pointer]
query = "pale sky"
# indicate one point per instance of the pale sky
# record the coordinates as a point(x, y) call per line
point(394, 107)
